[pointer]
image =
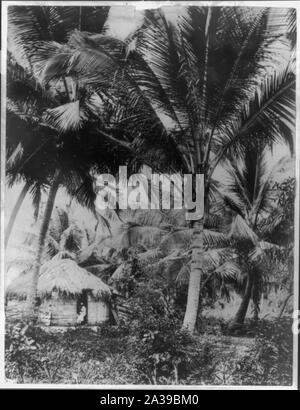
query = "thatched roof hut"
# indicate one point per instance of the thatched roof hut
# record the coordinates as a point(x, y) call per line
point(63, 288)
point(63, 276)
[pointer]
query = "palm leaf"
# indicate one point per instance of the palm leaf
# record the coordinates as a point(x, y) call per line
point(65, 117)
point(229, 270)
point(240, 229)
point(271, 112)
point(263, 249)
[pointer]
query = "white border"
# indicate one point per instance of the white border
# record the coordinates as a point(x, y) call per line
point(297, 203)
point(140, 5)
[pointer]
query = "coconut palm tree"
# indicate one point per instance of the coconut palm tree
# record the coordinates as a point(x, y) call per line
point(27, 137)
point(202, 85)
point(279, 229)
point(37, 152)
point(74, 151)
point(256, 216)
point(161, 240)
point(75, 159)
point(69, 238)
point(26, 99)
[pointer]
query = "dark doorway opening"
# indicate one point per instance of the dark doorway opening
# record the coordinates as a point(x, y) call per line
point(82, 308)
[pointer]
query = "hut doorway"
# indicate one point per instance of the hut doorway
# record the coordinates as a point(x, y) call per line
point(82, 308)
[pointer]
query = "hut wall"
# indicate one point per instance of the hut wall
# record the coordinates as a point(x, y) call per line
point(98, 311)
point(63, 311)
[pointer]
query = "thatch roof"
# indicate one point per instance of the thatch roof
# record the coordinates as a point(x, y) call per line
point(62, 276)
point(102, 271)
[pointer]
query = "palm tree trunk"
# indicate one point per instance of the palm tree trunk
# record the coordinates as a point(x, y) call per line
point(284, 304)
point(191, 312)
point(256, 296)
point(15, 212)
point(239, 318)
point(31, 311)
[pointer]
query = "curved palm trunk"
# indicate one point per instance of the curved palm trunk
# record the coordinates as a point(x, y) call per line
point(31, 311)
point(14, 213)
point(191, 312)
point(239, 318)
point(256, 294)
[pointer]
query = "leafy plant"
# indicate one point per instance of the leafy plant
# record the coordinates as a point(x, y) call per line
point(20, 352)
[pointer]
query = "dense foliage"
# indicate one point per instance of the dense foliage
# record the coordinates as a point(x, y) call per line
point(153, 350)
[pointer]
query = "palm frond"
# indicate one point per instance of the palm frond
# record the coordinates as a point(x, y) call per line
point(183, 276)
point(268, 116)
point(240, 229)
point(263, 250)
point(66, 117)
point(64, 254)
point(269, 225)
point(29, 25)
point(181, 239)
point(15, 156)
point(292, 26)
point(229, 270)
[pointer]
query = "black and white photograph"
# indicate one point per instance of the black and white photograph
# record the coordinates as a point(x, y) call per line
point(149, 194)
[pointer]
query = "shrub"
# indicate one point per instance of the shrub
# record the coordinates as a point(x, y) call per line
point(270, 360)
point(20, 352)
point(162, 352)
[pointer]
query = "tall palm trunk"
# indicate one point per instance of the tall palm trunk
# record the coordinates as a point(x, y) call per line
point(14, 213)
point(239, 318)
point(191, 312)
point(256, 296)
point(31, 311)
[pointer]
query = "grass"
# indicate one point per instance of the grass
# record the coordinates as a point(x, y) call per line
point(82, 356)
